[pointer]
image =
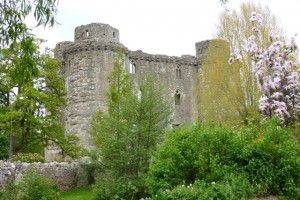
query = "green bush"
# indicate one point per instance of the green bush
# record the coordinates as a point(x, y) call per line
point(188, 154)
point(32, 187)
point(4, 146)
point(10, 190)
point(266, 156)
point(28, 157)
point(234, 188)
point(36, 187)
point(115, 188)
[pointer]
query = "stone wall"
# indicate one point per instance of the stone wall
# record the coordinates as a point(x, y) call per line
point(66, 175)
point(178, 75)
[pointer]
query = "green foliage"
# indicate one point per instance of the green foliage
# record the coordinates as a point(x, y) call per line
point(32, 187)
point(267, 157)
point(234, 188)
point(28, 157)
point(23, 104)
point(115, 188)
point(10, 190)
point(4, 146)
point(127, 135)
point(13, 30)
point(36, 187)
point(93, 166)
point(220, 87)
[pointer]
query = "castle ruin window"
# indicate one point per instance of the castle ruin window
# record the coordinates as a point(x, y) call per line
point(87, 33)
point(175, 126)
point(132, 68)
point(114, 34)
point(178, 73)
point(177, 97)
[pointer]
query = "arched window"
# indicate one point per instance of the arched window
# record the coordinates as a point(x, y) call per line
point(87, 33)
point(132, 68)
point(177, 97)
point(178, 73)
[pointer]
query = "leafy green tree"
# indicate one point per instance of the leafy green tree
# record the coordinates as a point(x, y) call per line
point(31, 110)
point(14, 31)
point(127, 134)
point(4, 146)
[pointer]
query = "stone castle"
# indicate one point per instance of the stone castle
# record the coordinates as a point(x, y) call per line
point(88, 61)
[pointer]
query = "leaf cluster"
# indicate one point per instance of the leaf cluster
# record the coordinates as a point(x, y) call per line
point(265, 158)
point(31, 108)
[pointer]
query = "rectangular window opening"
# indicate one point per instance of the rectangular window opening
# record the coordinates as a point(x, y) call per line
point(177, 99)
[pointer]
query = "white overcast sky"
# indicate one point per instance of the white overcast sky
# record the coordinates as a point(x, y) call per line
point(168, 27)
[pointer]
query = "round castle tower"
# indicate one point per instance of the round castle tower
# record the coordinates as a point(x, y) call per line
point(87, 63)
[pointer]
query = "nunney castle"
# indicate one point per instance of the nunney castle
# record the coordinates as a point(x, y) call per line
point(88, 61)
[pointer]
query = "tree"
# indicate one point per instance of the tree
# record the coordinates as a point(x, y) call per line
point(127, 134)
point(14, 31)
point(31, 110)
point(220, 87)
point(235, 28)
point(277, 73)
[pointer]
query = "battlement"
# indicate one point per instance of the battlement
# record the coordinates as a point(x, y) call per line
point(96, 31)
point(184, 60)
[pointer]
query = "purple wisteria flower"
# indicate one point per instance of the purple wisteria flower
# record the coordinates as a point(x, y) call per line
point(278, 75)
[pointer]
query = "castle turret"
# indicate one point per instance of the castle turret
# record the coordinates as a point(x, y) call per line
point(96, 31)
point(88, 61)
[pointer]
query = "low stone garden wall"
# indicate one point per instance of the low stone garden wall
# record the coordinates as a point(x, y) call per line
point(67, 175)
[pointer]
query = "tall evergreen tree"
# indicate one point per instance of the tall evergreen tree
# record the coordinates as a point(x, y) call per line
point(128, 132)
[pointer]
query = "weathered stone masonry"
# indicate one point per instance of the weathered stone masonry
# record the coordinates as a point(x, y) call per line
point(66, 175)
point(88, 61)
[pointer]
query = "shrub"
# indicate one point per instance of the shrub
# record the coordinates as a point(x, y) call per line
point(114, 188)
point(36, 187)
point(190, 153)
point(10, 191)
point(267, 157)
point(28, 157)
point(4, 146)
point(234, 188)
point(32, 187)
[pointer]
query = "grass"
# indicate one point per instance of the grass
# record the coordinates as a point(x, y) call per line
point(78, 194)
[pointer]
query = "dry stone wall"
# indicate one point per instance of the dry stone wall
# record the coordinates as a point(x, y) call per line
point(66, 175)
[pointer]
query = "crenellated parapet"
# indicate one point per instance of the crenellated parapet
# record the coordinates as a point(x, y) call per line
point(184, 60)
point(69, 48)
point(96, 31)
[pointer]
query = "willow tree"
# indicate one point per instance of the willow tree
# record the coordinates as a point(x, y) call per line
point(235, 27)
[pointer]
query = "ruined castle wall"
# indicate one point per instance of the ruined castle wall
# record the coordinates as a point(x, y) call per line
point(178, 74)
point(66, 175)
point(88, 62)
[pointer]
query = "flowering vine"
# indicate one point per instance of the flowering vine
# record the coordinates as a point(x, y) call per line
point(277, 74)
